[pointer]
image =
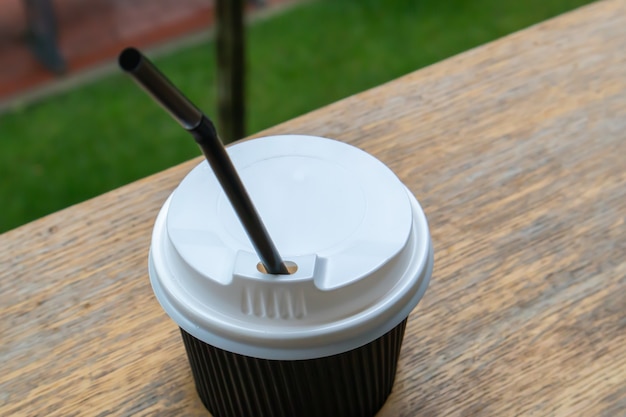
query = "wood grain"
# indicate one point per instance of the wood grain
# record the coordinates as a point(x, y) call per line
point(516, 151)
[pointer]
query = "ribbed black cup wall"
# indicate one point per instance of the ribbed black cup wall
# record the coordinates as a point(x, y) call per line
point(355, 383)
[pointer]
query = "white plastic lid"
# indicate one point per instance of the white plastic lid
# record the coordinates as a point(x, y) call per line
point(359, 238)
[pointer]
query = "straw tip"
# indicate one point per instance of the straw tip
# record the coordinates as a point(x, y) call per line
point(129, 59)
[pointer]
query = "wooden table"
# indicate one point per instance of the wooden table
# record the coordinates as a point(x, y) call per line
point(517, 152)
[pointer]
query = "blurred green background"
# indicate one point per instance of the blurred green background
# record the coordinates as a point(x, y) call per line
point(97, 137)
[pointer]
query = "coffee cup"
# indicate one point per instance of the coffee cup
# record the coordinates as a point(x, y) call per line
point(324, 339)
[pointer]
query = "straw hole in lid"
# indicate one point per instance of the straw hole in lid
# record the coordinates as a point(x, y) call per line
point(291, 267)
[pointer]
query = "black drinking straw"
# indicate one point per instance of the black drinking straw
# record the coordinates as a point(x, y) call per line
point(195, 122)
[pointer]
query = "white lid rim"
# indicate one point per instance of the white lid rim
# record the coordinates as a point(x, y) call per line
point(285, 352)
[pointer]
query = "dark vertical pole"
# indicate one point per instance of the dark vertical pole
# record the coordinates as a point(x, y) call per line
point(230, 69)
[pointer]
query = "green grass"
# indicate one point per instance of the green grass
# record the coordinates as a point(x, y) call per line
point(97, 137)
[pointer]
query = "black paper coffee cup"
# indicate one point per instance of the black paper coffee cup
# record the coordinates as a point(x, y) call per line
point(350, 384)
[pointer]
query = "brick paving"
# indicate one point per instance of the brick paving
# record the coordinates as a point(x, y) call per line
point(91, 32)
